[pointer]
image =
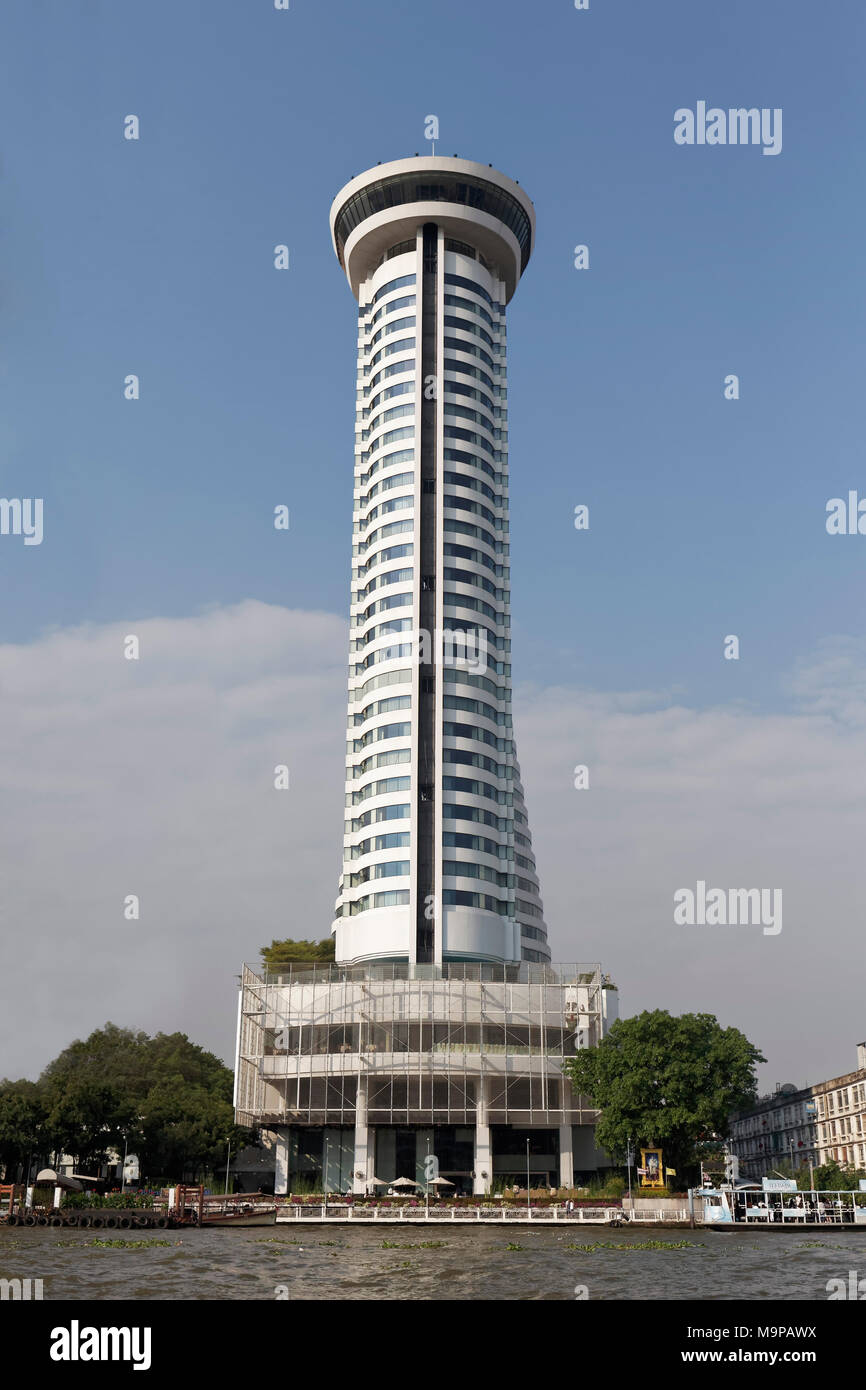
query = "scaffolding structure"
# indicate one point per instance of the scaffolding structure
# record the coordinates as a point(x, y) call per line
point(415, 1045)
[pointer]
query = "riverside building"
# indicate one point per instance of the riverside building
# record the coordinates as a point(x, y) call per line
point(442, 1028)
point(816, 1125)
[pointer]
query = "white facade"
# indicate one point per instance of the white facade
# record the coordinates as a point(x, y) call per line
point(438, 860)
point(364, 1072)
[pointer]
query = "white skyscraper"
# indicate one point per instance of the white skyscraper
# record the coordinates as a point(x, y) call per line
point(441, 1031)
point(438, 863)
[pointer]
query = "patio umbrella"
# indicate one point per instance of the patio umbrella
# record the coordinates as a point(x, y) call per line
point(377, 1182)
point(440, 1182)
point(403, 1182)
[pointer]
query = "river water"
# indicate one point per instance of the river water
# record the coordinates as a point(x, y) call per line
point(336, 1263)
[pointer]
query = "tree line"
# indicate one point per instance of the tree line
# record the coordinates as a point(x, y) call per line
point(163, 1098)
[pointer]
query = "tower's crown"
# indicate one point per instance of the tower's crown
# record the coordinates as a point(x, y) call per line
point(472, 202)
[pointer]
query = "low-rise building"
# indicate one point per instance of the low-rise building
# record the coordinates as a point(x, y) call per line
point(815, 1124)
point(393, 1071)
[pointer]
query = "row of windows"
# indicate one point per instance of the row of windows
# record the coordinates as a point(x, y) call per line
point(467, 369)
point(528, 909)
point(459, 456)
point(399, 189)
point(391, 868)
point(471, 349)
point(405, 301)
point(471, 731)
point(387, 706)
point(382, 731)
point(381, 581)
point(473, 484)
point(380, 788)
point(390, 653)
point(464, 412)
point(390, 437)
point(468, 437)
point(389, 327)
point(457, 388)
point(456, 301)
point(480, 682)
point(462, 552)
point(456, 897)
point(480, 581)
point(472, 788)
point(377, 682)
point(401, 388)
point(389, 601)
point(393, 528)
point(452, 321)
point(451, 839)
point(398, 839)
point(392, 552)
point(389, 461)
point(464, 504)
point(386, 485)
point(394, 369)
point(376, 760)
point(377, 815)
point(461, 755)
point(398, 897)
point(394, 625)
point(394, 504)
point(464, 284)
point(395, 413)
point(397, 284)
point(460, 702)
point(478, 533)
point(476, 814)
point(477, 605)
point(462, 248)
point(452, 868)
point(391, 349)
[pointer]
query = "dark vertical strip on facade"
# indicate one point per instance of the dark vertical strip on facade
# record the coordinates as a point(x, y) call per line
point(425, 781)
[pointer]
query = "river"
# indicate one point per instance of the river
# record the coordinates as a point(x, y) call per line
point(339, 1263)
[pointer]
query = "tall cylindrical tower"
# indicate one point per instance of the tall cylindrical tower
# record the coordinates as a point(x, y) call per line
point(438, 862)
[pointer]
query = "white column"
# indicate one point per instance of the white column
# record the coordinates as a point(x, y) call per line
point(566, 1157)
point(359, 1163)
point(483, 1152)
point(281, 1150)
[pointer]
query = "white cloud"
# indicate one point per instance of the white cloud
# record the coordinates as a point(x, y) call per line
point(156, 778)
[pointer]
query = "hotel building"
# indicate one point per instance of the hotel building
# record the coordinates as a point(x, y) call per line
point(443, 1025)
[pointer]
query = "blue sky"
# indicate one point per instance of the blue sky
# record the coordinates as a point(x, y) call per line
point(155, 257)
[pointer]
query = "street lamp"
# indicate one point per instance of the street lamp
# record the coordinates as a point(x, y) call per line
point(528, 1204)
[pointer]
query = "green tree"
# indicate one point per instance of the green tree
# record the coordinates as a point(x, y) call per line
point(665, 1081)
point(288, 952)
point(830, 1177)
point(22, 1124)
point(165, 1097)
point(186, 1130)
point(87, 1117)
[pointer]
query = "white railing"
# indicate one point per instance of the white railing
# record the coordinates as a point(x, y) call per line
point(344, 1211)
point(658, 1214)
